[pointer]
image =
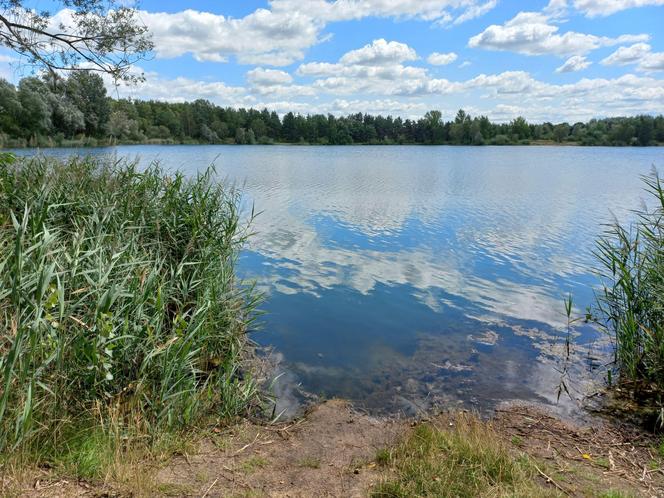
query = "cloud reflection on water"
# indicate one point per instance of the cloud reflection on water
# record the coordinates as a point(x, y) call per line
point(382, 263)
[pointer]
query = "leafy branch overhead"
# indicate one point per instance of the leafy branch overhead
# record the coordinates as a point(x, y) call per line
point(98, 35)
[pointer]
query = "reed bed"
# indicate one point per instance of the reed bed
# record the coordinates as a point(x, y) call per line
point(631, 302)
point(120, 310)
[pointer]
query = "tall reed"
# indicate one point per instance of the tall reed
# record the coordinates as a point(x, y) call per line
point(631, 303)
point(118, 298)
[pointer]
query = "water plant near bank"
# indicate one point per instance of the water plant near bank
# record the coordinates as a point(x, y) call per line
point(631, 303)
point(119, 304)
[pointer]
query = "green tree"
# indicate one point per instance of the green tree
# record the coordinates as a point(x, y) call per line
point(520, 128)
point(645, 130)
point(35, 110)
point(88, 92)
point(65, 116)
point(560, 132)
point(102, 35)
point(122, 127)
point(240, 136)
point(259, 127)
point(289, 129)
point(10, 109)
point(435, 129)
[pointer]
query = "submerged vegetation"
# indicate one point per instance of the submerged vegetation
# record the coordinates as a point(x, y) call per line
point(631, 303)
point(77, 112)
point(121, 313)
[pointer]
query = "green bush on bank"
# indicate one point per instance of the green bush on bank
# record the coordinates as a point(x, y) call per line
point(118, 299)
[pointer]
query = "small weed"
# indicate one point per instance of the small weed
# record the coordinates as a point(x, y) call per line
point(310, 463)
point(517, 441)
point(201, 477)
point(173, 489)
point(252, 464)
point(383, 457)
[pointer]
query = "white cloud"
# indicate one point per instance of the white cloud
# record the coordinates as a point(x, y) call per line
point(595, 8)
point(257, 38)
point(275, 83)
point(441, 59)
point(380, 106)
point(281, 34)
point(653, 62)
point(476, 11)
point(556, 8)
point(179, 89)
point(573, 64)
point(465, 64)
point(531, 33)
point(379, 53)
point(639, 54)
point(376, 69)
point(627, 55)
point(344, 10)
point(389, 73)
point(268, 77)
point(505, 83)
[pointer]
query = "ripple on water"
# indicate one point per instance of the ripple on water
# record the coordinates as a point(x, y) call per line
point(406, 277)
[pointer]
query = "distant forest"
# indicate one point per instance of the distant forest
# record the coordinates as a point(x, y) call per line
point(77, 111)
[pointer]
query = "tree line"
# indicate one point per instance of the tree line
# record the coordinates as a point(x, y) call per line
point(74, 111)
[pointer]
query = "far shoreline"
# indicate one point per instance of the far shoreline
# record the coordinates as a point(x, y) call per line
point(539, 143)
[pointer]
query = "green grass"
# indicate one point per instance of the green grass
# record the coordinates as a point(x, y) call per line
point(467, 460)
point(120, 312)
point(631, 304)
point(87, 453)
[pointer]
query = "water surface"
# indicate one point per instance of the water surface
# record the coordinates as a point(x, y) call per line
point(407, 277)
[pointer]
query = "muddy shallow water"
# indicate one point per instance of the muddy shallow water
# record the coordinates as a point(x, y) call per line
point(406, 277)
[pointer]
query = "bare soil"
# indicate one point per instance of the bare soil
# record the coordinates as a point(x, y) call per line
point(327, 453)
point(585, 459)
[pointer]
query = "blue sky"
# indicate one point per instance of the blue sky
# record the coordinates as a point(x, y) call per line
point(545, 60)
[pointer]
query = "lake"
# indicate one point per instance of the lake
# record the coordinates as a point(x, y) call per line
point(403, 278)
